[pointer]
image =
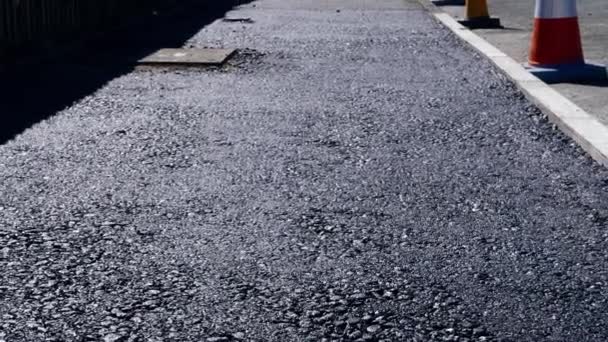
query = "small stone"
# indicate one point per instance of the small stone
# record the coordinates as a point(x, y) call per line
point(149, 303)
point(118, 313)
point(239, 335)
point(373, 328)
point(359, 296)
point(111, 338)
point(354, 334)
point(353, 321)
point(479, 332)
point(313, 313)
point(339, 323)
point(326, 317)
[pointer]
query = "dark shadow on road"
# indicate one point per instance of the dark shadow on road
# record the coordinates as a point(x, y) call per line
point(513, 29)
point(581, 74)
point(592, 83)
point(32, 92)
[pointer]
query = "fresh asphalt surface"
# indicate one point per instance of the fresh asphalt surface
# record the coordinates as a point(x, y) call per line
point(355, 174)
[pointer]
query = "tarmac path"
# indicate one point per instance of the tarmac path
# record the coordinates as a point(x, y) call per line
point(355, 174)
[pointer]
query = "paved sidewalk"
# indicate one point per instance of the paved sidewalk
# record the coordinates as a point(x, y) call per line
point(356, 174)
point(517, 17)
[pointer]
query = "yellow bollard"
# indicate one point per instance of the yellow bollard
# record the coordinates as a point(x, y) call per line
point(477, 15)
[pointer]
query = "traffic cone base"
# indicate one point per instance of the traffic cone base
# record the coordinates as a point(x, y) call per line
point(448, 2)
point(481, 23)
point(477, 15)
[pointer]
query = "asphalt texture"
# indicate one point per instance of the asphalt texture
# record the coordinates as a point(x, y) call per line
point(355, 173)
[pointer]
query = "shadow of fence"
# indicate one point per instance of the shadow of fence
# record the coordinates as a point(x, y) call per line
point(33, 22)
point(32, 92)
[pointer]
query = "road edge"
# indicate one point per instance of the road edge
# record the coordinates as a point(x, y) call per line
point(587, 131)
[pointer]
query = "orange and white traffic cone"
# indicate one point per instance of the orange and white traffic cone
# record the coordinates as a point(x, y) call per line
point(477, 15)
point(556, 51)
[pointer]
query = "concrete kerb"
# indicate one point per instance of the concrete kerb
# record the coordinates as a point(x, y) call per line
point(586, 130)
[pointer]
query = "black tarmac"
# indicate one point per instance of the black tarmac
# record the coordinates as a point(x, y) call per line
point(355, 173)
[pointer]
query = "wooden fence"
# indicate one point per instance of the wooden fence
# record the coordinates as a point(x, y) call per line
point(24, 22)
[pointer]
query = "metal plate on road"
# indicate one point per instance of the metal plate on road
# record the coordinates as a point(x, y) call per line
point(188, 57)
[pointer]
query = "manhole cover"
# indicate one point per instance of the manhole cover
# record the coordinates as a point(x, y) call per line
point(188, 57)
